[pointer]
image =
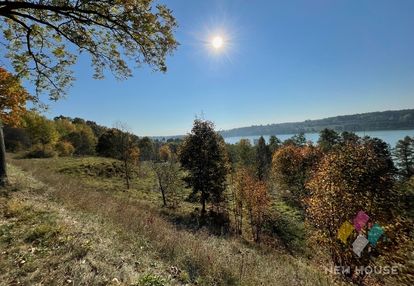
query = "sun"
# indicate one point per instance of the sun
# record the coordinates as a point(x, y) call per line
point(217, 42)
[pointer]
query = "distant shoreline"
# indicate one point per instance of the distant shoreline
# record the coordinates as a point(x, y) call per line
point(372, 121)
point(286, 134)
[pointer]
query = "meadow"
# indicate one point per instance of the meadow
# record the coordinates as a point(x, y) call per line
point(89, 229)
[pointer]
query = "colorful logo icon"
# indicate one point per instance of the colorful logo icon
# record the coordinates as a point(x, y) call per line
point(361, 241)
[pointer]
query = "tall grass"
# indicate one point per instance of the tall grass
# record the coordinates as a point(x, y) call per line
point(208, 260)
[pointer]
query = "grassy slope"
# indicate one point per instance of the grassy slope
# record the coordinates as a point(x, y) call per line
point(135, 230)
point(43, 243)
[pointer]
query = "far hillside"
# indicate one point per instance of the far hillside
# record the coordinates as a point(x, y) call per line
point(386, 120)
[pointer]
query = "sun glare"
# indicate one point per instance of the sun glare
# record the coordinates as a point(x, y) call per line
point(217, 42)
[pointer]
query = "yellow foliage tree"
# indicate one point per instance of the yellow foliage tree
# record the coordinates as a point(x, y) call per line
point(350, 179)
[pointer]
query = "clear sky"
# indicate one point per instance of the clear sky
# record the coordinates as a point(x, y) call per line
point(280, 61)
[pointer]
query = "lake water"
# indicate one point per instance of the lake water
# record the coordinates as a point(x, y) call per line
point(389, 136)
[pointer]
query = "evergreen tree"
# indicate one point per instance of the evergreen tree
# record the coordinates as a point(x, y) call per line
point(203, 155)
point(263, 158)
point(404, 153)
point(274, 143)
point(349, 137)
point(328, 138)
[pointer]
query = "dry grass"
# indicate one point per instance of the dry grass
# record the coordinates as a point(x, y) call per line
point(197, 257)
point(42, 243)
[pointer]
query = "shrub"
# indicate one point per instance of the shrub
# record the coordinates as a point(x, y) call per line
point(65, 148)
point(151, 280)
point(41, 151)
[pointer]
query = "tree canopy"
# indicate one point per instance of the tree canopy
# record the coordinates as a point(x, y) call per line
point(204, 156)
point(43, 38)
point(13, 98)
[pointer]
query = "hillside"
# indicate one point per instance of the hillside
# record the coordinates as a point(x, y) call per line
point(385, 120)
point(62, 224)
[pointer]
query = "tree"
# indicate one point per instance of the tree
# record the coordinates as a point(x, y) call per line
point(64, 126)
point(126, 150)
point(263, 159)
point(203, 155)
point(349, 137)
point(249, 195)
point(165, 153)
point(107, 143)
point(83, 139)
point(404, 153)
point(42, 35)
point(146, 146)
point(292, 166)
point(13, 98)
point(120, 144)
point(328, 138)
point(349, 179)
point(16, 139)
point(40, 129)
point(245, 153)
point(296, 140)
point(98, 130)
point(274, 143)
point(64, 148)
point(168, 176)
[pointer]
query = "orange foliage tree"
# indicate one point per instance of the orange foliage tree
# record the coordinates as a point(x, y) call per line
point(250, 195)
point(13, 99)
point(292, 166)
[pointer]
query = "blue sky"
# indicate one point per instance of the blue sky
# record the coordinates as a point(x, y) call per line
point(281, 61)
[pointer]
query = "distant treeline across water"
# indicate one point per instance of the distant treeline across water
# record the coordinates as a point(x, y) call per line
point(373, 121)
point(389, 136)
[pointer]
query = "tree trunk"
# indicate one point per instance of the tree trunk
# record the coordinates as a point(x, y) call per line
point(3, 170)
point(126, 173)
point(203, 203)
point(164, 201)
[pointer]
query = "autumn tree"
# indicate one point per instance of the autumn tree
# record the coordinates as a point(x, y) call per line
point(168, 177)
point(129, 154)
point(250, 197)
point(44, 38)
point(82, 139)
point(238, 190)
point(263, 159)
point(404, 153)
point(257, 202)
point(165, 153)
point(13, 99)
point(40, 129)
point(352, 178)
point(125, 149)
point(203, 155)
point(292, 166)
point(64, 126)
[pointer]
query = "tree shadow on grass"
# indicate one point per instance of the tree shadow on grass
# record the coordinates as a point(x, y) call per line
point(215, 223)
